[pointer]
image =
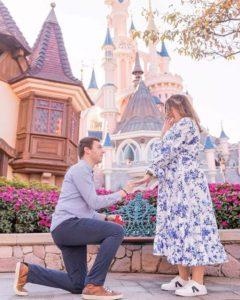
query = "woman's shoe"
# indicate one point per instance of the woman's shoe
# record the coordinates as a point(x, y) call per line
point(174, 284)
point(191, 289)
point(20, 280)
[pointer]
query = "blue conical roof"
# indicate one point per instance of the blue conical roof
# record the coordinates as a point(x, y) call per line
point(108, 39)
point(132, 27)
point(208, 143)
point(93, 83)
point(156, 100)
point(107, 142)
point(163, 52)
point(223, 135)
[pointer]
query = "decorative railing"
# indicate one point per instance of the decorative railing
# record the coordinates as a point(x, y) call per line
point(139, 217)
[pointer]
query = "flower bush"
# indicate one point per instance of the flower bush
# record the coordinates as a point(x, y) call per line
point(226, 202)
point(27, 207)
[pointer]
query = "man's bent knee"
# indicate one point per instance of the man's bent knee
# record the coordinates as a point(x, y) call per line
point(120, 231)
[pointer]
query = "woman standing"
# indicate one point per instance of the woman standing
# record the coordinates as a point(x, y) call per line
point(186, 231)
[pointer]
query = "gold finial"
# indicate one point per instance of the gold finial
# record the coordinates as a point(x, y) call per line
point(53, 5)
point(150, 6)
point(221, 124)
point(82, 69)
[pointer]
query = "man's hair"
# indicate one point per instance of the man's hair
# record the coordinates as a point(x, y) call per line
point(85, 142)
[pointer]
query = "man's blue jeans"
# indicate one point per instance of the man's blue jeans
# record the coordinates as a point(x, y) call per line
point(72, 237)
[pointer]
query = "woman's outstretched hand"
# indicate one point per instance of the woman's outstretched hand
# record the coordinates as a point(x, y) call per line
point(146, 179)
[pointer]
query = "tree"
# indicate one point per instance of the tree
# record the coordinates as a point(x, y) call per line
point(210, 28)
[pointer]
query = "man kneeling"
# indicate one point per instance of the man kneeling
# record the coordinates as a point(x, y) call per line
point(76, 224)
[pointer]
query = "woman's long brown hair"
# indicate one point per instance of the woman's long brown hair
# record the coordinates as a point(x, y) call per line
point(183, 106)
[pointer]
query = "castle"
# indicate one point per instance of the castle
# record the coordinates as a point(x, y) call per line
point(44, 109)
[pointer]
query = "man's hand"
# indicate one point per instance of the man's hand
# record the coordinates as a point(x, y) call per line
point(127, 189)
point(110, 218)
point(115, 218)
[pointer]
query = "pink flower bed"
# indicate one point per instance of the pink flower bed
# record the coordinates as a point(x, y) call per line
point(27, 209)
point(226, 201)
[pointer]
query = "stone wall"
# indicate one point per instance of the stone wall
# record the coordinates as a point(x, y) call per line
point(39, 249)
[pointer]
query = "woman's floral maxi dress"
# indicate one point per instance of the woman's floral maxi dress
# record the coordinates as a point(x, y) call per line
point(186, 231)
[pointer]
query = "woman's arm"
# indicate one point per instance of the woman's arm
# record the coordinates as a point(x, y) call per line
point(168, 148)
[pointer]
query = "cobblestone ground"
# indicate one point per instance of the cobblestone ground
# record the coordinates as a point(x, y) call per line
point(133, 286)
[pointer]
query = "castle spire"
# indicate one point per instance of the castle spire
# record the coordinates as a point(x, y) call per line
point(108, 39)
point(132, 26)
point(151, 21)
point(93, 82)
point(107, 141)
point(163, 52)
point(10, 31)
point(52, 16)
point(49, 59)
point(208, 143)
point(223, 134)
point(137, 70)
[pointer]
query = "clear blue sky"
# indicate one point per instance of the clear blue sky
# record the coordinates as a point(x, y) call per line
point(214, 85)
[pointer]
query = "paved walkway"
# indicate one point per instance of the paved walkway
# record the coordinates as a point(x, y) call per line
point(134, 287)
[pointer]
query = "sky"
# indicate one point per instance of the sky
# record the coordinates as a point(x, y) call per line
point(213, 84)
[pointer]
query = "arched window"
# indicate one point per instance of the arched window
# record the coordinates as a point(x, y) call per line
point(129, 154)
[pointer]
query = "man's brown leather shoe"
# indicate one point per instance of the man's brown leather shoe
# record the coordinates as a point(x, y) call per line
point(20, 280)
point(98, 292)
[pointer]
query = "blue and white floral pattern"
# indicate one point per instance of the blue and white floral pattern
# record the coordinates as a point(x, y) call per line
point(186, 231)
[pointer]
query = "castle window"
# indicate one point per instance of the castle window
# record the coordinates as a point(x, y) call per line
point(48, 117)
point(96, 125)
point(108, 54)
point(129, 154)
point(3, 163)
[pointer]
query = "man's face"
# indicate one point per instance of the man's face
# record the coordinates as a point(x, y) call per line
point(96, 153)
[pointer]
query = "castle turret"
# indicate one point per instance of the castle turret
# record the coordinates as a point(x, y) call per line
point(137, 71)
point(107, 162)
point(209, 150)
point(153, 58)
point(119, 16)
point(224, 145)
point(125, 46)
point(93, 88)
point(132, 29)
point(110, 111)
point(164, 59)
point(13, 47)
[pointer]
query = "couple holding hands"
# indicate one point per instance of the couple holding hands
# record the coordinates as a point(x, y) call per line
point(186, 230)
